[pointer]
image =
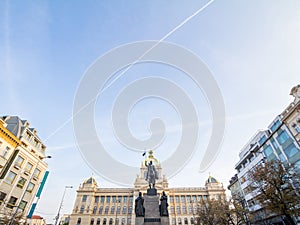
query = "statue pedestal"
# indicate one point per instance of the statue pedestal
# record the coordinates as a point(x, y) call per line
point(152, 215)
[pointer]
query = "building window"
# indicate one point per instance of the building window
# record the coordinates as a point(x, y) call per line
point(125, 198)
point(2, 196)
point(177, 199)
point(186, 221)
point(130, 210)
point(110, 221)
point(188, 198)
point(104, 221)
point(36, 173)
point(275, 125)
point(116, 221)
point(119, 198)
point(118, 209)
point(183, 198)
point(190, 209)
point(10, 177)
point(92, 221)
point(178, 209)
point(19, 161)
point(106, 210)
point(107, 199)
point(183, 209)
point(282, 137)
point(30, 187)
point(268, 150)
point(124, 209)
point(171, 199)
point(172, 209)
point(102, 199)
point(12, 202)
point(114, 198)
point(22, 205)
point(82, 209)
point(98, 221)
point(296, 128)
point(100, 209)
point(5, 151)
point(291, 150)
point(112, 210)
point(131, 199)
point(262, 140)
point(96, 199)
point(84, 197)
point(192, 220)
point(28, 167)
point(95, 210)
point(179, 220)
point(21, 182)
point(123, 221)
point(194, 198)
point(79, 221)
point(173, 221)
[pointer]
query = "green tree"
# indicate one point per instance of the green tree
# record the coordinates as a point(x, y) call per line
point(277, 187)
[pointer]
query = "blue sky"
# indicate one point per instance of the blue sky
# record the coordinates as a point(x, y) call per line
point(251, 47)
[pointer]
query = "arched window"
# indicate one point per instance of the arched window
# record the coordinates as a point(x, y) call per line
point(110, 221)
point(112, 210)
point(104, 221)
point(100, 209)
point(178, 210)
point(78, 221)
point(98, 221)
point(118, 209)
point(106, 210)
point(95, 210)
point(173, 221)
point(192, 220)
point(92, 221)
point(130, 210)
point(82, 209)
point(123, 221)
point(183, 209)
point(124, 209)
point(186, 221)
point(117, 221)
point(179, 221)
point(190, 209)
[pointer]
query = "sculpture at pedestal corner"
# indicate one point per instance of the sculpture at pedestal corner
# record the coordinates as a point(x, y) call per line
point(139, 206)
point(151, 174)
point(163, 207)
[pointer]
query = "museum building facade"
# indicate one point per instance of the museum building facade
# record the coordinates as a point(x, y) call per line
point(115, 206)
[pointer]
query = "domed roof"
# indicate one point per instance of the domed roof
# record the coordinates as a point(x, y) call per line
point(212, 180)
point(90, 180)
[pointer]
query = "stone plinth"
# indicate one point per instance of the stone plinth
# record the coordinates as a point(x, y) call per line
point(152, 215)
point(151, 204)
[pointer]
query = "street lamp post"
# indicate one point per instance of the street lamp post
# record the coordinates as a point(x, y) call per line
point(24, 192)
point(61, 203)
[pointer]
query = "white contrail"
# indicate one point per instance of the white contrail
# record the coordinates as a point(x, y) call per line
point(135, 62)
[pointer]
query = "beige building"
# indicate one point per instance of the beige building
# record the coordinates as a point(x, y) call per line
point(21, 166)
point(291, 115)
point(109, 206)
point(37, 220)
